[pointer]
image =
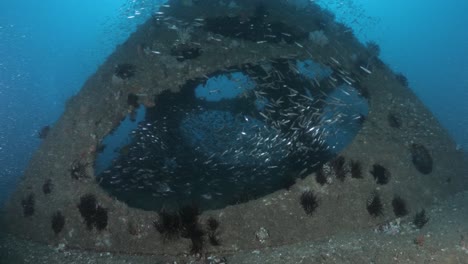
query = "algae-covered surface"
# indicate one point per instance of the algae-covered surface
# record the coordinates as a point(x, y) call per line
point(399, 162)
point(444, 239)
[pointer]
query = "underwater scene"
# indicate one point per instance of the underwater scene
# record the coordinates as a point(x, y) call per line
point(233, 131)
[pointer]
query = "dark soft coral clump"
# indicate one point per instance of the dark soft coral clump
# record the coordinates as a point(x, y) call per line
point(394, 120)
point(401, 78)
point(338, 165)
point(213, 225)
point(169, 224)
point(132, 100)
point(381, 174)
point(399, 206)
point(356, 170)
point(58, 222)
point(185, 51)
point(421, 158)
point(191, 228)
point(125, 70)
point(420, 219)
point(93, 214)
point(183, 223)
point(47, 186)
point(28, 205)
point(320, 176)
point(309, 202)
point(374, 205)
point(78, 170)
point(44, 132)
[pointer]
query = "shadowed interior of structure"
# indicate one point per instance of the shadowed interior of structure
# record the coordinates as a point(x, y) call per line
point(240, 134)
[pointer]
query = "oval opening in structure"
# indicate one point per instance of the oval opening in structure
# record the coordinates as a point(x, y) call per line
point(241, 134)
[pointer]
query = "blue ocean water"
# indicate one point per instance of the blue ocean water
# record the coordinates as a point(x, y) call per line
point(49, 48)
point(47, 51)
point(426, 42)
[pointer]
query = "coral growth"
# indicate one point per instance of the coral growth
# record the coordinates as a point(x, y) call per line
point(381, 174)
point(421, 158)
point(189, 218)
point(87, 208)
point(28, 205)
point(257, 28)
point(420, 219)
point(190, 227)
point(373, 49)
point(168, 224)
point(309, 202)
point(364, 92)
point(93, 214)
point(132, 228)
point(132, 100)
point(100, 218)
point(320, 176)
point(47, 187)
point(402, 79)
point(394, 120)
point(125, 70)
point(78, 170)
point(58, 222)
point(183, 223)
point(44, 132)
point(288, 182)
point(196, 236)
point(399, 206)
point(213, 225)
point(374, 205)
point(183, 51)
point(356, 170)
point(338, 165)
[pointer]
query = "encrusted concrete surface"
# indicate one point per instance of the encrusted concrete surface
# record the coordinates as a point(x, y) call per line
point(444, 239)
point(102, 104)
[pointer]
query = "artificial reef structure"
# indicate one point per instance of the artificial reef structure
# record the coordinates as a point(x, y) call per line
point(255, 124)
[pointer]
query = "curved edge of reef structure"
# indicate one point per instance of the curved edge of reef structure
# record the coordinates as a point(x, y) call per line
point(59, 201)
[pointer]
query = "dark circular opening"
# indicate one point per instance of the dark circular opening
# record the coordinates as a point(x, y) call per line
point(236, 135)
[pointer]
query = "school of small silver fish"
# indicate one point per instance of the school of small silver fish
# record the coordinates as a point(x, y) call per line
point(215, 155)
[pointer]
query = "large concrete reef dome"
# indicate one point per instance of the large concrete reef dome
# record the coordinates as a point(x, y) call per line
point(255, 124)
